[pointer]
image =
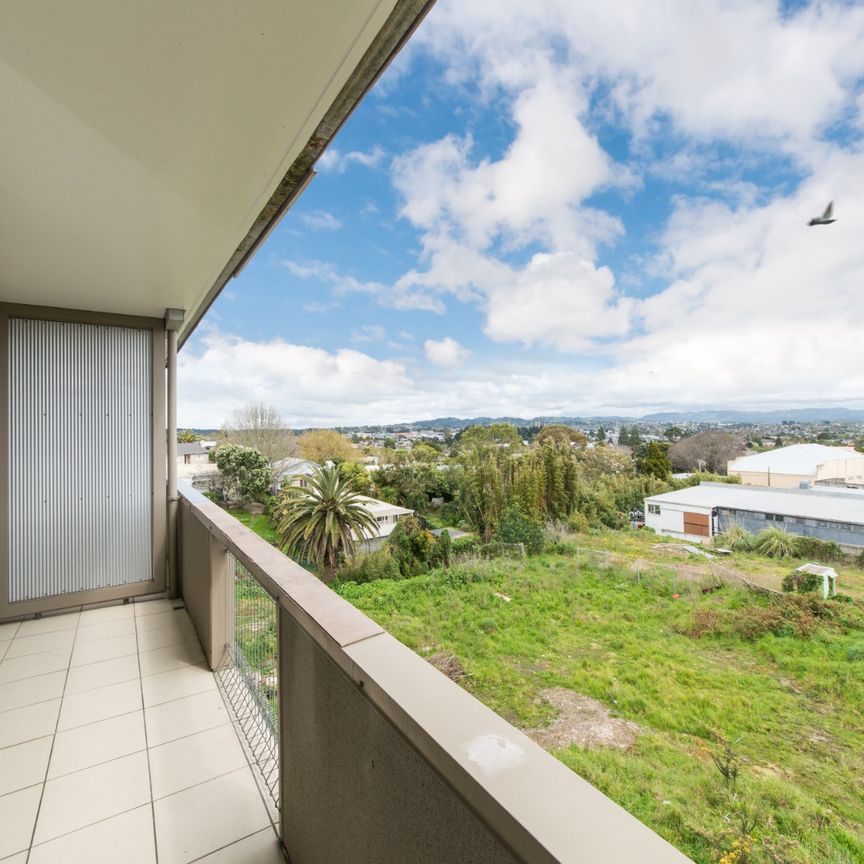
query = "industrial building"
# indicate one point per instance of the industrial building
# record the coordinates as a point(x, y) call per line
point(789, 467)
point(701, 512)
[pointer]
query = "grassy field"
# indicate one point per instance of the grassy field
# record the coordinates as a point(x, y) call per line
point(692, 669)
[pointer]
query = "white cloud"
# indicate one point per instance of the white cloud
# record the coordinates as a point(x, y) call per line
point(308, 385)
point(741, 69)
point(445, 352)
point(369, 333)
point(337, 162)
point(321, 220)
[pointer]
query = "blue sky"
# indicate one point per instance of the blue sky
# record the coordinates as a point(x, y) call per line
point(568, 208)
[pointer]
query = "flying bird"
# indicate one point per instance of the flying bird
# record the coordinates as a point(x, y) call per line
point(826, 218)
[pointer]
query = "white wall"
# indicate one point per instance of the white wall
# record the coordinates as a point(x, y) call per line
point(670, 521)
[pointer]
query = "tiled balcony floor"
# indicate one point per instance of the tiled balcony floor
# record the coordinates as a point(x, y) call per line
point(116, 746)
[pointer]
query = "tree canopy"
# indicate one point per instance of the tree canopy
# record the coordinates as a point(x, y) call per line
point(246, 476)
point(322, 522)
point(261, 427)
point(326, 445)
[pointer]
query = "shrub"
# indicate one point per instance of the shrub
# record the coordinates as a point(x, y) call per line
point(369, 567)
point(442, 550)
point(819, 550)
point(776, 543)
point(411, 546)
point(736, 538)
point(516, 527)
point(801, 583)
point(463, 546)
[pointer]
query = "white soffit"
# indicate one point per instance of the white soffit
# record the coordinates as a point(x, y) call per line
point(140, 141)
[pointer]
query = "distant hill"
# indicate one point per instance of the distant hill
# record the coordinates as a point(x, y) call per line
point(799, 415)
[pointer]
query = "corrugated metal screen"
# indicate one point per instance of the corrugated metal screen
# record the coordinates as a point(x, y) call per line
point(80, 457)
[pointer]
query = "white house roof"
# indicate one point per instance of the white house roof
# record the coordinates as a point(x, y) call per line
point(794, 459)
point(297, 466)
point(803, 503)
point(383, 508)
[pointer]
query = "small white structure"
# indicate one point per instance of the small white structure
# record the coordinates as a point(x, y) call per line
point(828, 574)
point(386, 516)
point(789, 467)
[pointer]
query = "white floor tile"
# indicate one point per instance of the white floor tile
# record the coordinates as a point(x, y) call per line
point(182, 717)
point(174, 634)
point(106, 613)
point(160, 619)
point(104, 630)
point(176, 684)
point(98, 742)
point(22, 646)
point(28, 691)
point(260, 848)
point(91, 795)
point(24, 765)
point(105, 649)
point(17, 668)
point(187, 653)
point(29, 722)
point(126, 838)
point(79, 709)
point(155, 607)
point(101, 674)
point(4, 647)
point(207, 817)
point(192, 760)
point(20, 858)
point(7, 631)
point(17, 816)
point(49, 624)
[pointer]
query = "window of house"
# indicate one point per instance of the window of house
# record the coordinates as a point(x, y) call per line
point(654, 508)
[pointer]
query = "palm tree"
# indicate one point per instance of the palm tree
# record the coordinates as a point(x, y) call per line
point(322, 521)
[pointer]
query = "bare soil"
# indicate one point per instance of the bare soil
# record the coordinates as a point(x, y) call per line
point(583, 721)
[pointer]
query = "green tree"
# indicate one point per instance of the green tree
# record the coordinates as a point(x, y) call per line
point(778, 441)
point(412, 546)
point(323, 522)
point(357, 476)
point(443, 550)
point(655, 461)
point(516, 527)
point(187, 436)
point(325, 445)
point(558, 433)
point(496, 434)
point(245, 473)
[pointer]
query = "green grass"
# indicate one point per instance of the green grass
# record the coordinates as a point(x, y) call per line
point(260, 523)
point(793, 705)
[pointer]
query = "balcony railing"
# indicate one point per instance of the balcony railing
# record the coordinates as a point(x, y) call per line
point(381, 758)
point(248, 673)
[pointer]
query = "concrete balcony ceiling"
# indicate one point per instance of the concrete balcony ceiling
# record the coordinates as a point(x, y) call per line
point(146, 146)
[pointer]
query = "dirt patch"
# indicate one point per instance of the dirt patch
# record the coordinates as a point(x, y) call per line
point(769, 770)
point(449, 664)
point(583, 721)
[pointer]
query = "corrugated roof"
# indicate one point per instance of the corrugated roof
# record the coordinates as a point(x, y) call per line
point(804, 503)
point(794, 459)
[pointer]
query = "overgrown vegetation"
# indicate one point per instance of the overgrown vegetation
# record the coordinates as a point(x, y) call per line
point(751, 704)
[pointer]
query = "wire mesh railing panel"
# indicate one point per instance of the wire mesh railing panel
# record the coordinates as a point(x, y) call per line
point(249, 673)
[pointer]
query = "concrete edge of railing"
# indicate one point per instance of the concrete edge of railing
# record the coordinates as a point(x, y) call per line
point(539, 809)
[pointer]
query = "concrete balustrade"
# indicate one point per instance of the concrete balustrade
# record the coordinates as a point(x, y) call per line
point(383, 758)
